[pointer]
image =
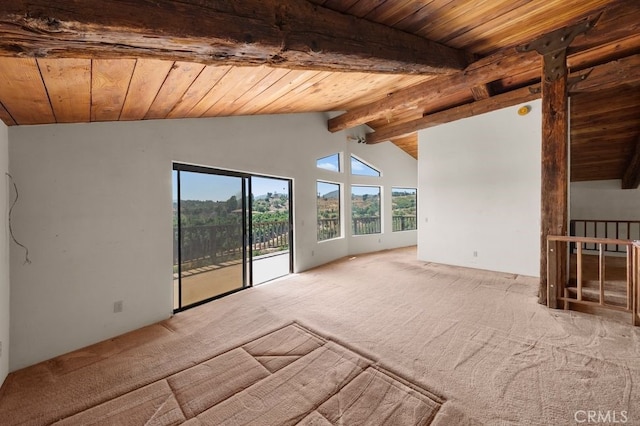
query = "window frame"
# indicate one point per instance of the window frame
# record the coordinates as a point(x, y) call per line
point(415, 221)
point(339, 162)
point(339, 227)
point(353, 157)
point(380, 226)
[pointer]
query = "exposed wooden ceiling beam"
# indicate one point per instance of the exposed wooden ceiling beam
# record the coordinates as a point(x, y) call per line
point(631, 178)
point(625, 71)
point(504, 100)
point(6, 117)
point(488, 69)
point(288, 33)
point(598, 77)
point(491, 68)
point(480, 92)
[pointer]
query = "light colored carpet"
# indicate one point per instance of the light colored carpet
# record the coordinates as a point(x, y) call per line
point(375, 339)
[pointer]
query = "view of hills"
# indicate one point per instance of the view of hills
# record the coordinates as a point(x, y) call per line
point(268, 207)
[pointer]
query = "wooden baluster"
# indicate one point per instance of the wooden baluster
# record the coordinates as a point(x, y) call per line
point(629, 275)
point(636, 284)
point(601, 269)
point(552, 272)
point(579, 271)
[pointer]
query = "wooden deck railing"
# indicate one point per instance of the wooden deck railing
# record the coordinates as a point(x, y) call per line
point(570, 294)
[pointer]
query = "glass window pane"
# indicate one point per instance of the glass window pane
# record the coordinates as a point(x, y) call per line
point(365, 210)
point(331, 163)
point(404, 203)
point(270, 228)
point(358, 167)
point(212, 237)
point(328, 202)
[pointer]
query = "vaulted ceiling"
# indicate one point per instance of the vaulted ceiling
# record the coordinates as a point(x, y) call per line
point(395, 65)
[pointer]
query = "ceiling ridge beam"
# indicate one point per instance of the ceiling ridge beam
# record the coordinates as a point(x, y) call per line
point(281, 33)
point(631, 177)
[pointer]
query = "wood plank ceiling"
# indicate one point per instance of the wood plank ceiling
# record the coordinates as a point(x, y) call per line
point(42, 81)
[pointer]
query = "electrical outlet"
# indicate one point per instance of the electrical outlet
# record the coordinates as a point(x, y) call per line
point(117, 306)
point(475, 254)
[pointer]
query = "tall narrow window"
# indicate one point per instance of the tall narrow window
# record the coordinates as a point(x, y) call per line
point(403, 208)
point(359, 167)
point(210, 228)
point(365, 210)
point(328, 203)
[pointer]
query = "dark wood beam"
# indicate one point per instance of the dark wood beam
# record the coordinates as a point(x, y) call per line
point(596, 78)
point(631, 178)
point(555, 157)
point(618, 21)
point(482, 91)
point(504, 100)
point(491, 68)
point(287, 33)
point(555, 181)
point(612, 74)
point(494, 67)
point(6, 117)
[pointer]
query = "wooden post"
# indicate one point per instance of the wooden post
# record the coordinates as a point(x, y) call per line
point(555, 179)
point(555, 150)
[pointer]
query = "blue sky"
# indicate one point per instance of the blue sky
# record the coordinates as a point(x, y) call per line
point(202, 186)
point(362, 190)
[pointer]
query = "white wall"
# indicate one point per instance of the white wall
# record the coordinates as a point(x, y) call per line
point(479, 191)
point(604, 200)
point(4, 252)
point(95, 212)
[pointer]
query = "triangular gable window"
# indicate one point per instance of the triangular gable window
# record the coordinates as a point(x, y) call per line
point(359, 167)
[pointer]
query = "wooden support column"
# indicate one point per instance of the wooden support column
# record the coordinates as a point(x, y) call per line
point(555, 154)
point(555, 181)
point(631, 178)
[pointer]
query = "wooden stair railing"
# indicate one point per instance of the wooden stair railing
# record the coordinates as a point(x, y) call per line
point(620, 293)
point(636, 288)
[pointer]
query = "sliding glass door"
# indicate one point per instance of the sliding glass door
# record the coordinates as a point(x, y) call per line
point(209, 235)
point(225, 240)
point(270, 228)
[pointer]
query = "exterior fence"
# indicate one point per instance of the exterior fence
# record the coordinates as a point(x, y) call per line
point(365, 225)
point(404, 223)
point(330, 228)
point(215, 244)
